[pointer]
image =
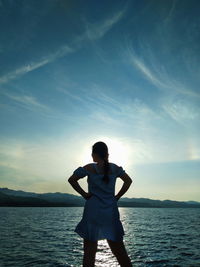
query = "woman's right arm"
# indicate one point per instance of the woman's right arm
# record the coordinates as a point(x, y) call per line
point(73, 180)
point(127, 182)
point(79, 173)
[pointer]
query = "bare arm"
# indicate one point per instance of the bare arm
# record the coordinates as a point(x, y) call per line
point(73, 180)
point(127, 182)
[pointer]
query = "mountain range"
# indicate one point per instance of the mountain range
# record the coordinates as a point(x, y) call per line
point(10, 197)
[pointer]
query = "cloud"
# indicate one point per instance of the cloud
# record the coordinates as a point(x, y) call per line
point(98, 30)
point(156, 73)
point(29, 163)
point(74, 96)
point(152, 130)
point(131, 109)
point(30, 103)
point(147, 72)
point(181, 111)
point(100, 107)
point(170, 14)
point(149, 132)
point(27, 101)
point(106, 106)
point(62, 51)
point(105, 118)
point(93, 32)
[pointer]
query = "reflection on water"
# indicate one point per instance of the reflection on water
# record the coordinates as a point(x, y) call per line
point(104, 257)
point(41, 236)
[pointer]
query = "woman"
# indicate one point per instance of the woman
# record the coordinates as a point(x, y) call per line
point(101, 218)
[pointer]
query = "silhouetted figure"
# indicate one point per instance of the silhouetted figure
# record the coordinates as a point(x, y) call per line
point(101, 218)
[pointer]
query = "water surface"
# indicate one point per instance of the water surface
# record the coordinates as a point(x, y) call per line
point(44, 236)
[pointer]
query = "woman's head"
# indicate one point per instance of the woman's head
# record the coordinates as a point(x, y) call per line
point(100, 150)
point(100, 153)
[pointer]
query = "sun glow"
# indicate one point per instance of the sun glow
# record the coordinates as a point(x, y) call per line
point(119, 151)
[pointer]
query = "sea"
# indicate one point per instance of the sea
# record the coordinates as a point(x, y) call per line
point(45, 237)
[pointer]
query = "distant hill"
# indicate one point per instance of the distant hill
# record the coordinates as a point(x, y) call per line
point(146, 202)
point(9, 200)
point(9, 197)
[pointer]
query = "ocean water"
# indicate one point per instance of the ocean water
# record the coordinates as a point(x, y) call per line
point(44, 236)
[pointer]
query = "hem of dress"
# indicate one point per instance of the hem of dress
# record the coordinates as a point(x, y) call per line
point(82, 235)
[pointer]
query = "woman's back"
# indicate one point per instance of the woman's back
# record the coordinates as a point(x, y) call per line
point(96, 185)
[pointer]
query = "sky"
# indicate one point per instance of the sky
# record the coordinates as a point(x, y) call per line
point(123, 72)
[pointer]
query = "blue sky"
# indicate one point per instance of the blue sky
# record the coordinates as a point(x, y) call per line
point(124, 72)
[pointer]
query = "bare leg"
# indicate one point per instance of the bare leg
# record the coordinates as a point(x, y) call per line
point(90, 249)
point(119, 250)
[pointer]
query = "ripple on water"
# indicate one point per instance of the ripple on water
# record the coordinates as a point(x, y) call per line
point(45, 237)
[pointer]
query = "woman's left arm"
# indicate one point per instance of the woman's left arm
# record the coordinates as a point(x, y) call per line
point(73, 180)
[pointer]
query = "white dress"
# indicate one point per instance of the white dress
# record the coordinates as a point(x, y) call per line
point(101, 219)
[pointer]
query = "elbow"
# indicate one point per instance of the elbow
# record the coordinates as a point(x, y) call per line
point(72, 180)
point(130, 182)
point(69, 180)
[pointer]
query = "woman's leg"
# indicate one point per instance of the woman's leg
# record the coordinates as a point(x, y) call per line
point(90, 249)
point(119, 250)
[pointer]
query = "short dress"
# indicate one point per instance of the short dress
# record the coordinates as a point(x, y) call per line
point(101, 218)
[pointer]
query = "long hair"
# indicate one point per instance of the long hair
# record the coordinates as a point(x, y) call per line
point(101, 149)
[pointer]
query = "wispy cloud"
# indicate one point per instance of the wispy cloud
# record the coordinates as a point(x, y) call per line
point(73, 95)
point(28, 102)
point(100, 106)
point(156, 73)
point(98, 30)
point(105, 118)
point(62, 51)
point(139, 64)
point(181, 111)
point(93, 32)
point(94, 96)
point(177, 100)
point(131, 113)
point(148, 127)
point(32, 104)
point(169, 16)
point(104, 106)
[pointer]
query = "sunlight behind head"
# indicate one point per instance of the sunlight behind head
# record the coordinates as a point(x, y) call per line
point(119, 151)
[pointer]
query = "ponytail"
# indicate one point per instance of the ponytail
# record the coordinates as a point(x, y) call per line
point(106, 169)
point(101, 149)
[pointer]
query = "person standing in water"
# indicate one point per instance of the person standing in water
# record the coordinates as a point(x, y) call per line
point(101, 219)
